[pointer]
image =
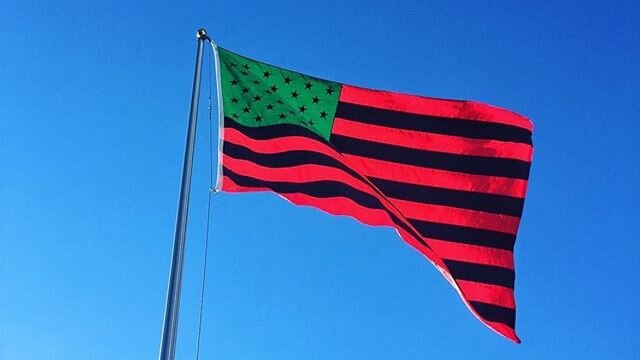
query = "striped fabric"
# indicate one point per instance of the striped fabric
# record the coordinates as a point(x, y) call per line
point(450, 176)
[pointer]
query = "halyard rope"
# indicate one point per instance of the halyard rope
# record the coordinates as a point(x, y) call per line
point(211, 192)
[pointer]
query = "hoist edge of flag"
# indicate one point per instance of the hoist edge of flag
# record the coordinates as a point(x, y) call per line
point(217, 186)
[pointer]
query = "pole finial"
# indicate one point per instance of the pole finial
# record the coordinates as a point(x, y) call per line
point(201, 34)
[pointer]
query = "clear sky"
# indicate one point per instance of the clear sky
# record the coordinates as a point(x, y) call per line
point(93, 107)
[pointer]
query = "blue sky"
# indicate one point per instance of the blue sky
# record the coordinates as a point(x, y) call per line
point(93, 107)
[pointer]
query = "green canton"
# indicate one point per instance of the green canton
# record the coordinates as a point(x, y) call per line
point(257, 94)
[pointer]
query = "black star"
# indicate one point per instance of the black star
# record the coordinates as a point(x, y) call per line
point(310, 122)
point(302, 109)
point(315, 100)
point(246, 66)
point(329, 90)
point(245, 72)
point(257, 98)
point(266, 74)
point(258, 118)
point(307, 86)
point(230, 64)
point(274, 88)
point(235, 116)
point(323, 114)
point(234, 82)
point(234, 100)
point(294, 94)
point(246, 109)
point(282, 116)
point(269, 107)
point(245, 90)
point(256, 82)
point(287, 80)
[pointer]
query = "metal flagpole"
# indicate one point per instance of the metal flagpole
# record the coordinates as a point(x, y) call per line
point(172, 306)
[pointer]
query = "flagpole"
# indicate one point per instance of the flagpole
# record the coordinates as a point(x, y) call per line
point(172, 305)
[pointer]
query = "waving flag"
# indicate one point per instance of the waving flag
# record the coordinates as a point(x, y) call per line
point(450, 176)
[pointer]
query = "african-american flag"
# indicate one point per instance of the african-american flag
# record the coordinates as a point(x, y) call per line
point(450, 176)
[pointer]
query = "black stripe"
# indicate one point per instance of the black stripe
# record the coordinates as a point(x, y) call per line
point(495, 313)
point(322, 189)
point(272, 131)
point(433, 124)
point(497, 204)
point(287, 158)
point(464, 235)
point(479, 165)
point(481, 273)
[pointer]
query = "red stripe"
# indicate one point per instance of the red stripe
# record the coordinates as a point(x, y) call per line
point(472, 253)
point(432, 142)
point(281, 144)
point(501, 329)
point(454, 109)
point(457, 216)
point(491, 294)
point(438, 178)
point(229, 185)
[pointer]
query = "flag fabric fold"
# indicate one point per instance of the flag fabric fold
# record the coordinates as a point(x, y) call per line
point(449, 176)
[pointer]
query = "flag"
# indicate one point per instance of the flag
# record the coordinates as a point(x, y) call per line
point(450, 176)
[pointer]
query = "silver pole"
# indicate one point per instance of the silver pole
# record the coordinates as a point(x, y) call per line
point(172, 305)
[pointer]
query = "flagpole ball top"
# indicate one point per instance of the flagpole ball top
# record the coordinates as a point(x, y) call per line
point(201, 34)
